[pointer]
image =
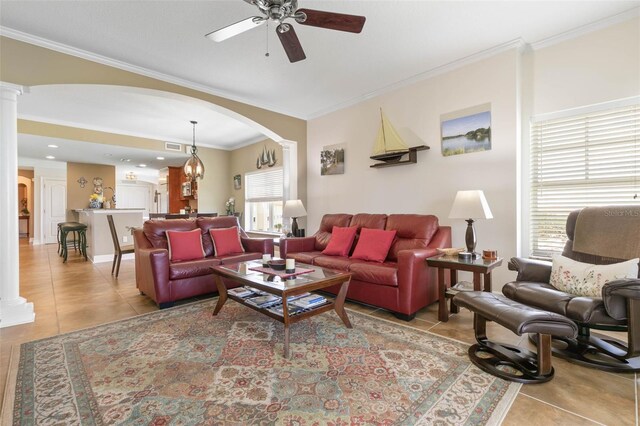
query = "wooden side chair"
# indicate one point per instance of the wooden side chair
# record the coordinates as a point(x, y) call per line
point(118, 250)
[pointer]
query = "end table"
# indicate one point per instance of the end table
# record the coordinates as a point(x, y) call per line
point(453, 264)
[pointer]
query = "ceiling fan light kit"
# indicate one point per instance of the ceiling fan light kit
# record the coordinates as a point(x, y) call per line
point(279, 10)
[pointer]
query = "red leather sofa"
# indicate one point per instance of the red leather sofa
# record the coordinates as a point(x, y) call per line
point(403, 283)
point(165, 281)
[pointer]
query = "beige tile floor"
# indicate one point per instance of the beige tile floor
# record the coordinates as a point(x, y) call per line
point(79, 294)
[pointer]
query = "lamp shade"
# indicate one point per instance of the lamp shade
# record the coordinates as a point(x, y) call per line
point(470, 205)
point(294, 208)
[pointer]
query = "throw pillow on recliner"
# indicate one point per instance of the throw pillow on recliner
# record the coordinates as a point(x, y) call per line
point(341, 241)
point(185, 245)
point(585, 279)
point(373, 244)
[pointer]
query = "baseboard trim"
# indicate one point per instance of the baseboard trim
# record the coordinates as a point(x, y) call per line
point(103, 258)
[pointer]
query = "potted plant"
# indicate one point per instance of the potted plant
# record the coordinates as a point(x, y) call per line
point(231, 206)
point(95, 201)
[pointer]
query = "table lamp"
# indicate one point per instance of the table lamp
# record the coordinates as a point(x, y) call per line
point(294, 209)
point(470, 205)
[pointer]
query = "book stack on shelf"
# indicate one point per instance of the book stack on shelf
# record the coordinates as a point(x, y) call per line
point(310, 301)
point(264, 301)
point(244, 292)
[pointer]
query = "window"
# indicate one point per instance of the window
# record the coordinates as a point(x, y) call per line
point(586, 160)
point(263, 200)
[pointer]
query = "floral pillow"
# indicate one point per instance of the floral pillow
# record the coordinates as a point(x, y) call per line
point(585, 279)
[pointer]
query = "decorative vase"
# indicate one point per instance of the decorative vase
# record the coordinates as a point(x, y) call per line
point(95, 204)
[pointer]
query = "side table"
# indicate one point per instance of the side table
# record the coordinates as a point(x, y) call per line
point(478, 266)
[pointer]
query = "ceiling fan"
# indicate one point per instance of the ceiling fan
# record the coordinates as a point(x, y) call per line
point(278, 11)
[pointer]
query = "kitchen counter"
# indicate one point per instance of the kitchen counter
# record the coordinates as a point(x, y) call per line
point(99, 243)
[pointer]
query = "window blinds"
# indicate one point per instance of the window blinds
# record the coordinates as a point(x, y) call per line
point(587, 160)
point(264, 186)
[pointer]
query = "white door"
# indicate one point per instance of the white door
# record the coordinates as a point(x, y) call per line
point(136, 197)
point(54, 208)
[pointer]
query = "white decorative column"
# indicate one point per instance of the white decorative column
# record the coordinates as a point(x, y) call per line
point(13, 308)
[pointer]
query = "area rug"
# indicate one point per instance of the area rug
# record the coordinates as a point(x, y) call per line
point(184, 366)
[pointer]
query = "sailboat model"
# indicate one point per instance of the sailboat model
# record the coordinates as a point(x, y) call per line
point(390, 148)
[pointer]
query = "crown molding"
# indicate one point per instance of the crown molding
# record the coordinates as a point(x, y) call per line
point(94, 57)
point(586, 29)
point(518, 44)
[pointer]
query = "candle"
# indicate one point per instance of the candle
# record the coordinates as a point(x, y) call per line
point(265, 259)
point(291, 265)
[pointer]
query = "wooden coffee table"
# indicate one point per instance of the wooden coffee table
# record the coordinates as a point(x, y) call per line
point(319, 279)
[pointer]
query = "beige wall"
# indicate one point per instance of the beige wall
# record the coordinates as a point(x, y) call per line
point(243, 160)
point(78, 197)
point(85, 135)
point(429, 186)
point(213, 190)
point(597, 67)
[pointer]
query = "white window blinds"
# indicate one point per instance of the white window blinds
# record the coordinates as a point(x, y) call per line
point(587, 160)
point(264, 186)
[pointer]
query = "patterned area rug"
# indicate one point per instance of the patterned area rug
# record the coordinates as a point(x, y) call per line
point(184, 366)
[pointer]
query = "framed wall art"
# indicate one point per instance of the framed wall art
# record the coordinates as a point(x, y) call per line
point(466, 131)
point(332, 160)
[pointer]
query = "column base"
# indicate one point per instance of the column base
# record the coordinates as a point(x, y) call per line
point(15, 312)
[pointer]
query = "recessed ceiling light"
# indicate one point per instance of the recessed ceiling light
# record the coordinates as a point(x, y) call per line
point(52, 146)
point(50, 157)
point(159, 158)
point(142, 165)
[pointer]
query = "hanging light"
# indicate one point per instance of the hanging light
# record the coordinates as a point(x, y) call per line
point(193, 168)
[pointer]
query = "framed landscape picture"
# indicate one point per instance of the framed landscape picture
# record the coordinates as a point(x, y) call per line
point(332, 160)
point(466, 131)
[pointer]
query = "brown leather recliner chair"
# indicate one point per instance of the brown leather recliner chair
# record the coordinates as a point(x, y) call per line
point(617, 310)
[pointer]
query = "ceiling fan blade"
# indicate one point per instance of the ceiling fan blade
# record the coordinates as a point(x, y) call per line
point(235, 29)
point(332, 21)
point(290, 42)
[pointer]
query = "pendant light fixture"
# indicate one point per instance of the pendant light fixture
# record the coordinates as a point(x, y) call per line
point(193, 168)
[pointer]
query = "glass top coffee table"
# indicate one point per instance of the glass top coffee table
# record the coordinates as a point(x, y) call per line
point(286, 289)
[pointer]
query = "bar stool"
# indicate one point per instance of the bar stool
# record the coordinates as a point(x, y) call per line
point(79, 229)
point(60, 240)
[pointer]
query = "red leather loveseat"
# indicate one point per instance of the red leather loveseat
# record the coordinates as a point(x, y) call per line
point(403, 283)
point(165, 281)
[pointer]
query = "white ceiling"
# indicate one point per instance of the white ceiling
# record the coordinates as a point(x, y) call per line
point(401, 40)
point(36, 147)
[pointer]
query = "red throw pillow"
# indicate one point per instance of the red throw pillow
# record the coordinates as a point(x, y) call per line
point(341, 241)
point(374, 244)
point(185, 245)
point(226, 241)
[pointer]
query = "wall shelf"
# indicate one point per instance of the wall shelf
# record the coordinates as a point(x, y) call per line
point(413, 158)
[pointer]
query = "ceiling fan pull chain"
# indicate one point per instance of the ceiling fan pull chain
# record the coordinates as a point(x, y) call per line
point(267, 33)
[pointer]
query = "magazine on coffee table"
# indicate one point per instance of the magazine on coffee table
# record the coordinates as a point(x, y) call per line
point(264, 301)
